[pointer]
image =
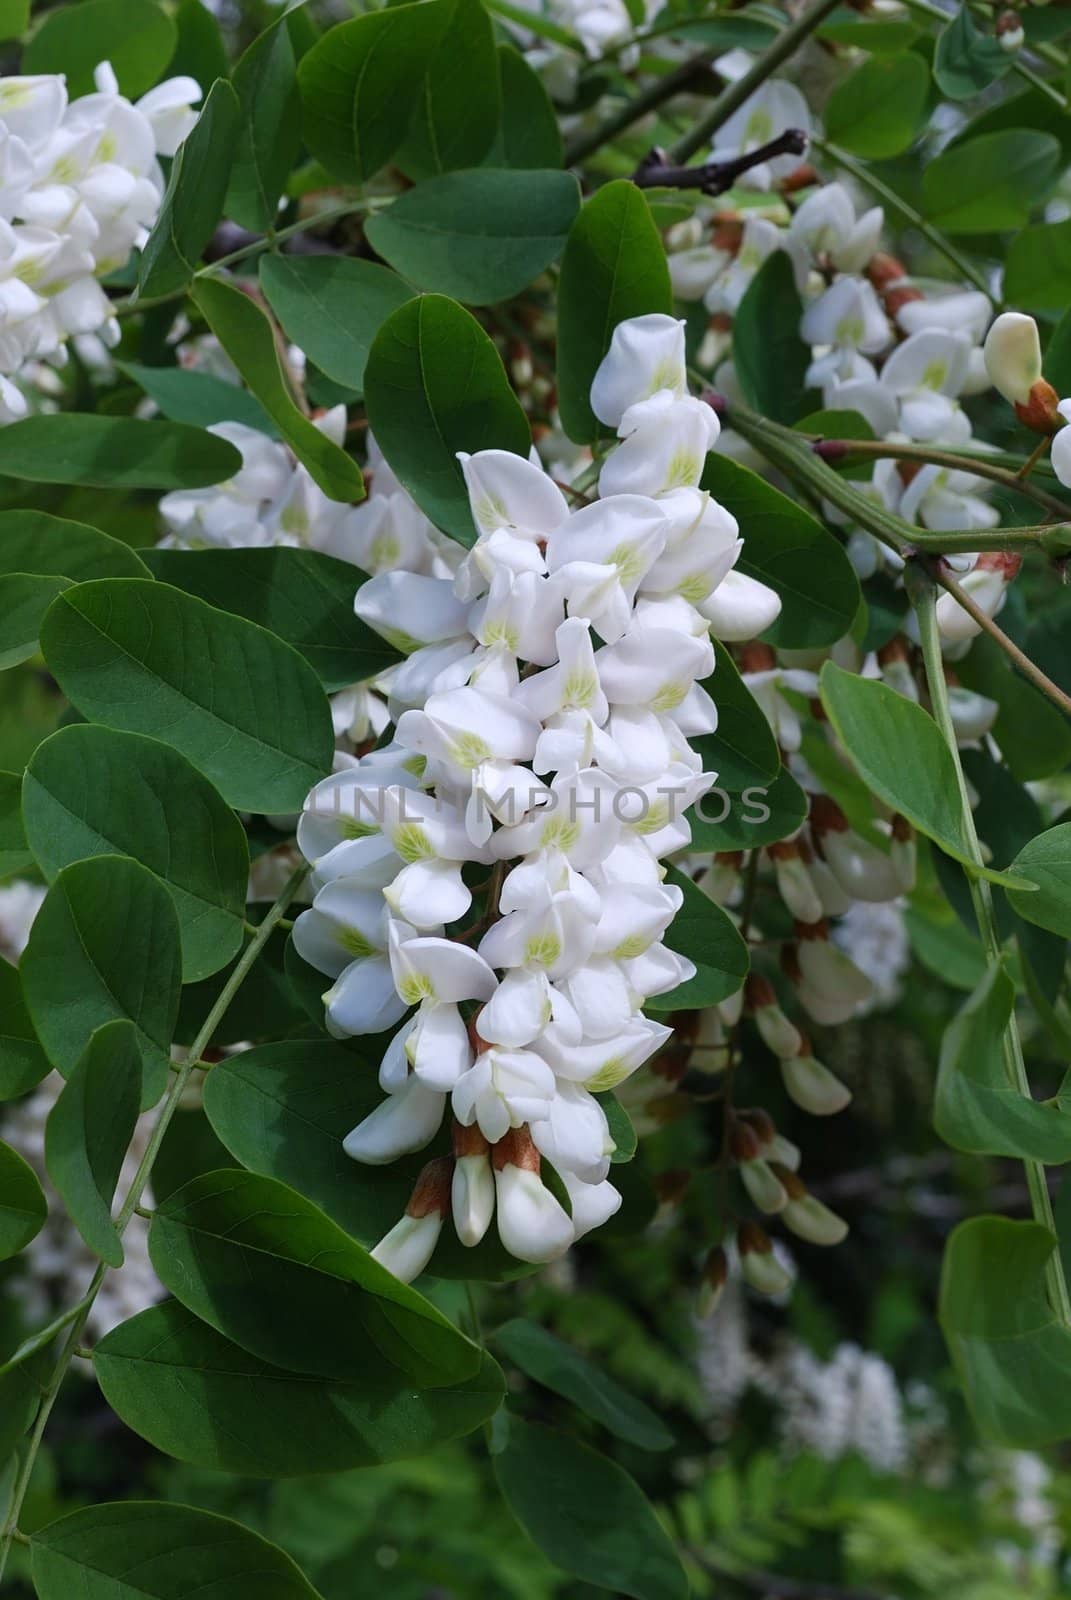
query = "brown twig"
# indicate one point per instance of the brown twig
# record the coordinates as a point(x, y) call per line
point(1019, 658)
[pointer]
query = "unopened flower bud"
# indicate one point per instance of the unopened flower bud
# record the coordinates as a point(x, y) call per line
point(794, 883)
point(722, 878)
point(903, 852)
point(1009, 31)
point(987, 584)
point(807, 1217)
point(408, 1247)
point(472, 1191)
point(762, 1123)
point(894, 659)
point(671, 1186)
point(777, 1032)
point(761, 1183)
point(883, 270)
point(532, 1224)
point(760, 1266)
point(715, 1277)
point(1012, 353)
point(811, 1085)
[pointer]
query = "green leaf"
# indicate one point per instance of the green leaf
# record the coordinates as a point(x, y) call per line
point(239, 703)
point(786, 548)
point(991, 183)
point(558, 1366)
point(105, 944)
point(197, 397)
point(197, 1396)
point(877, 36)
point(20, 1397)
point(269, 128)
point(586, 1514)
point(22, 1061)
point(246, 334)
point(1034, 737)
point(263, 1265)
point(283, 1109)
point(1046, 861)
point(528, 134)
point(332, 307)
point(966, 60)
point(946, 948)
point(136, 36)
point(89, 1129)
point(302, 596)
point(761, 814)
point(771, 359)
point(1037, 272)
point(200, 52)
point(24, 599)
point(1007, 1345)
point(114, 452)
point(14, 18)
point(898, 751)
point(193, 202)
point(15, 854)
point(480, 236)
point(707, 935)
point(34, 541)
point(457, 104)
point(614, 267)
point(357, 86)
point(977, 1108)
point(91, 791)
point(742, 751)
point(878, 110)
point(23, 1207)
point(151, 1550)
point(622, 1132)
point(1058, 372)
point(434, 385)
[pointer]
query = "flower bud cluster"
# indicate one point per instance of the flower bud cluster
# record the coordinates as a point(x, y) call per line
point(80, 187)
point(492, 878)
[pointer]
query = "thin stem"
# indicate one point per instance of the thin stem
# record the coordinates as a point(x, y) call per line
point(655, 95)
point(924, 602)
point(256, 247)
point(881, 450)
point(1028, 668)
point(73, 1342)
point(41, 1339)
point(734, 95)
point(865, 176)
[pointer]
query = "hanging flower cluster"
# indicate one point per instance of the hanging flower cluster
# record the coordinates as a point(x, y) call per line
point(80, 187)
point(538, 776)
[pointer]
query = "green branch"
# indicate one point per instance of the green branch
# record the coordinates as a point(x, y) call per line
point(79, 1314)
point(981, 466)
point(924, 601)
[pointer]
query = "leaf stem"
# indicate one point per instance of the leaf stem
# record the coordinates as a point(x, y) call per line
point(655, 95)
point(863, 175)
point(923, 599)
point(79, 1314)
point(1019, 658)
point(881, 450)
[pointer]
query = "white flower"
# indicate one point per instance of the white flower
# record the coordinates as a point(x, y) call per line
point(825, 225)
point(665, 445)
point(405, 1121)
point(532, 1224)
point(168, 109)
point(926, 373)
point(646, 354)
point(773, 108)
point(1013, 356)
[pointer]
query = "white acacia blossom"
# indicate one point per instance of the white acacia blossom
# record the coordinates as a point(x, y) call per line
point(81, 187)
point(492, 878)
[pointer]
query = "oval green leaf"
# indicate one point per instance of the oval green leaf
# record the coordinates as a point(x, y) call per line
point(422, 416)
point(105, 944)
point(332, 307)
point(197, 397)
point(193, 201)
point(991, 183)
point(92, 791)
point(1037, 274)
point(480, 236)
point(528, 134)
point(556, 1365)
point(115, 452)
point(35, 541)
point(301, 596)
point(23, 1207)
point(586, 1514)
point(264, 1266)
point(788, 549)
point(88, 1131)
point(24, 599)
point(239, 703)
point(614, 267)
point(22, 1061)
point(966, 60)
point(1046, 861)
point(878, 110)
point(136, 36)
point(707, 935)
point(269, 127)
point(358, 82)
point(246, 334)
point(149, 1550)
point(457, 105)
point(197, 1396)
point(770, 357)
